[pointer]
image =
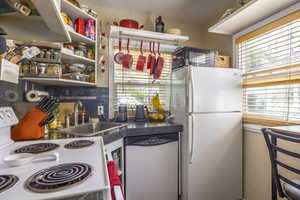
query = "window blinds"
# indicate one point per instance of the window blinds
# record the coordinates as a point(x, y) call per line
point(134, 87)
point(270, 60)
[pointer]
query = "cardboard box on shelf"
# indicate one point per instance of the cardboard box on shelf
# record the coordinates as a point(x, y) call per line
point(222, 61)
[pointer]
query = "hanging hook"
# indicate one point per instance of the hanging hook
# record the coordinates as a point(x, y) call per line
point(141, 48)
point(158, 47)
point(150, 47)
point(128, 45)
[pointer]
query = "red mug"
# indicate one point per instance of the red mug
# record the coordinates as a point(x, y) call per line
point(127, 59)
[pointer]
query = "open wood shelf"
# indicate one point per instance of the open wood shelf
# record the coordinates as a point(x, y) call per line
point(57, 81)
point(137, 34)
point(249, 14)
point(72, 58)
point(73, 10)
point(49, 26)
point(77, 37)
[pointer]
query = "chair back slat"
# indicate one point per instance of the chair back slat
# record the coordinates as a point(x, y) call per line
point(285, 136)
point(296, 171)
point(293, 154)
point(289, 182)
point(271, 141)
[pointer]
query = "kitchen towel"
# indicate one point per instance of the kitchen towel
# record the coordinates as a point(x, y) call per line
point(114, 180)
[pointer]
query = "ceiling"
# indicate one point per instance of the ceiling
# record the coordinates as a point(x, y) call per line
point(193, 11)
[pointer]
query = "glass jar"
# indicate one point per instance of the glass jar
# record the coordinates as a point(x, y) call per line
point(42, 54)
point(53, 70)
point(56, 55)
point(42, 68)
point(90, 54)
point(83, 49)
point(48, 54)
point(79, 52)
point(33, 69)
point(25, 69)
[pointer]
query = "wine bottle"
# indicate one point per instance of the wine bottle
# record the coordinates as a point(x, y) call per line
point(159, 25)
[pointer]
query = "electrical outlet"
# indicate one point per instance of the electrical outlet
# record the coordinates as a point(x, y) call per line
point(100, 110)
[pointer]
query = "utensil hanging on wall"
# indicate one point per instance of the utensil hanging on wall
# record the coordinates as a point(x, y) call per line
point(127, 58)
point(141, 59)
point(159, 64)
point(149, 59)
point(153, 60)
point(119, 56)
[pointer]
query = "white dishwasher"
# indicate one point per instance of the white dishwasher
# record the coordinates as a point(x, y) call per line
point(152, 167)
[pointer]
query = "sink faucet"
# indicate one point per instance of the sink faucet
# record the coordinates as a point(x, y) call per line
point(77, 106)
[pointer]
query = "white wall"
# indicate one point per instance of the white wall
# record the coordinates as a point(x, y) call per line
point(257, 166)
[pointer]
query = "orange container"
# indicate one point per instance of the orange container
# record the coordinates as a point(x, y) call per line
point(28, 128)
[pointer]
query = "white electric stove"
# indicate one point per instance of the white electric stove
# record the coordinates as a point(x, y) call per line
point(80, 168)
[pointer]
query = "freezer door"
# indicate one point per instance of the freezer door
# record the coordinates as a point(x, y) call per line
point(215, 158)
point(214, 90)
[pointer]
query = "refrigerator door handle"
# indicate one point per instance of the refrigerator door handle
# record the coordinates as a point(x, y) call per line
point(192, 139)
point(191, 91)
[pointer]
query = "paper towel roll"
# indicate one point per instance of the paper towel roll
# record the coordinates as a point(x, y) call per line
point(35, 95)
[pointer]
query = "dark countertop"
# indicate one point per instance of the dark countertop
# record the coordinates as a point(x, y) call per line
point(146, 128)
point(133, 129)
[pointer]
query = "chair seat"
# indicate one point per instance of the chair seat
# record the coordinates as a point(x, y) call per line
point(291, 191)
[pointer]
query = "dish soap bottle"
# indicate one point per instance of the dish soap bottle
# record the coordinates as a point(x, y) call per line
point(159, 25)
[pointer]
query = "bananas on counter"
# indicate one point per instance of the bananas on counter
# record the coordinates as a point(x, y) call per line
point(156, 104)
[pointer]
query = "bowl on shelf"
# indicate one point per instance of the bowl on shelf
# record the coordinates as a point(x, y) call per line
point(76, 67)
point(76, 76)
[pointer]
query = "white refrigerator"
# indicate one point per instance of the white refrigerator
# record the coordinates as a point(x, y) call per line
point(208, 102)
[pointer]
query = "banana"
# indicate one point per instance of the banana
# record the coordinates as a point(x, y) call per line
point(156, 103)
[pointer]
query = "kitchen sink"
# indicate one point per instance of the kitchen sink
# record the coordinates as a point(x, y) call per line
point(93, 129)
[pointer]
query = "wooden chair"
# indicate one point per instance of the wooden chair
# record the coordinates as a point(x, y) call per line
point(285, 187)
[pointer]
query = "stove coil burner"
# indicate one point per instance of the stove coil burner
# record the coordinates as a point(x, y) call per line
point(37, 148)
point(77, 144)
point(7, 181)
point(58, 177)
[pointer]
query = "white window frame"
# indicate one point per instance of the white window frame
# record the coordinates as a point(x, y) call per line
point(277, 16)
point(272, 18)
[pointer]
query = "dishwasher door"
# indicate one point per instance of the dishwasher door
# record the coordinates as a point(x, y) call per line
point(152, 167)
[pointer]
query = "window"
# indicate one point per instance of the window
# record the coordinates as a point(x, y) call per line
point(270, 60)
point(134, 87)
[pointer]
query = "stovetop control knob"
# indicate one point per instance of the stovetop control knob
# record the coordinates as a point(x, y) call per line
point(7, 117)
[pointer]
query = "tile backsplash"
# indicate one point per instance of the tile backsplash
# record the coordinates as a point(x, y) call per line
point(91, 97)
point(11, 93)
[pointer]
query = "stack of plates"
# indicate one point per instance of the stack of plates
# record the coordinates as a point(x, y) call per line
point(174, 31)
